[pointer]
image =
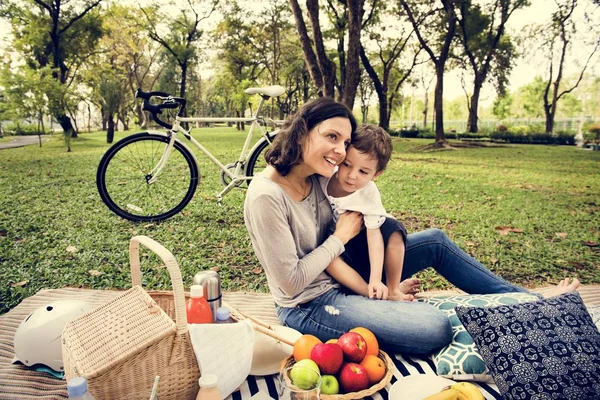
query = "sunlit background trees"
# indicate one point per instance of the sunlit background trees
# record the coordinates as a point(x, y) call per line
point(436, 69)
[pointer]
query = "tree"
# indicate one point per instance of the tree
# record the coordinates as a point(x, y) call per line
point(24, 95)
point(365, 91)
point(182, 34)
point(387, 74)
point(487, 48)
point(262, 47)
point(133, 53)
point(60, 34)
point(435, 28)
point(558, 40)
point(527, 102)
point(322, 70)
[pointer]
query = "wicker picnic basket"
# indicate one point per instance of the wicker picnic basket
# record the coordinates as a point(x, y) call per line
point(124, 344)
point(289, 362)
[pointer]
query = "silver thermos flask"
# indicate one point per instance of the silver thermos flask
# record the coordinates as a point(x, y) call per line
point(211, 282)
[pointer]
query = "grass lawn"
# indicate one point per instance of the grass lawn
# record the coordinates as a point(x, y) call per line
point(55, 231)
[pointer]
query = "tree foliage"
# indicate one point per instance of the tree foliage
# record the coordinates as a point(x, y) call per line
point(56, 36)
point(558, 38)
point(320, 65)
point(180, 35)
point(384, 65)
point(435, 28)
point(487, 48)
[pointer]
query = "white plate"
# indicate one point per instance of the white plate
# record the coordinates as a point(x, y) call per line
point(417, 387)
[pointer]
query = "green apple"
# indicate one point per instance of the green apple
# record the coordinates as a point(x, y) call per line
point(305, 374)
point(329, 385)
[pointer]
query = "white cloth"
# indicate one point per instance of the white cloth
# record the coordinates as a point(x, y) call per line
point(224, 350)
point(366, 201)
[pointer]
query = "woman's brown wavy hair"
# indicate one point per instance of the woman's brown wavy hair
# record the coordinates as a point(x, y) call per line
point(286, 150)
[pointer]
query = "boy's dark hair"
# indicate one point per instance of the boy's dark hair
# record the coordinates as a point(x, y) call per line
point(286, 150)
point(374, 141)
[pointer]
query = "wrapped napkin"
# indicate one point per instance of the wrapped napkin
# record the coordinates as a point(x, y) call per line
point(224, 350)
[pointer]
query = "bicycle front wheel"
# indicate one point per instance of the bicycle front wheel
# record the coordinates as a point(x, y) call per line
point(124, 174)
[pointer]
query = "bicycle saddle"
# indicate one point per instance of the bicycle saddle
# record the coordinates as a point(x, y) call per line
point(269, 91)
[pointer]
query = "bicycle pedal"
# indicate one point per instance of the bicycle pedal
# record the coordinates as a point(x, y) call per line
point(220, 200)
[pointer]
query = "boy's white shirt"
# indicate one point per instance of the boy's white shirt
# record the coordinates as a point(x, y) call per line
point(366, 201)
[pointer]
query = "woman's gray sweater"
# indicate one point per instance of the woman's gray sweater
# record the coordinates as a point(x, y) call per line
point(291, 240)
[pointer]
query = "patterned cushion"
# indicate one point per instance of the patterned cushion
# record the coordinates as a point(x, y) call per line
point(460, 359)
point(548, 349)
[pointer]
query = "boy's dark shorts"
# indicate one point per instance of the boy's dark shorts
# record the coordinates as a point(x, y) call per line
point(356, 252)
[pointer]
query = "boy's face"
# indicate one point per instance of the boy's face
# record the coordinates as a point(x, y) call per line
point(356, 170)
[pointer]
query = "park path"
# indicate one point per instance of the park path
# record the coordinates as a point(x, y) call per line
point(20, 141)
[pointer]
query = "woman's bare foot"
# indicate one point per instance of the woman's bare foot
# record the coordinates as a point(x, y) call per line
point(563, 286)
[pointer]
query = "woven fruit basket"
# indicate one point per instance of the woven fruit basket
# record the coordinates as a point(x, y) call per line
point(389, 366)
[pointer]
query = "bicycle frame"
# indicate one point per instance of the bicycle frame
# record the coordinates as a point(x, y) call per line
point(238, 175)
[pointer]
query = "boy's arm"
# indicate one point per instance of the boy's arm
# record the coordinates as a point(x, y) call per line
point(347, 276)
point(376, 253)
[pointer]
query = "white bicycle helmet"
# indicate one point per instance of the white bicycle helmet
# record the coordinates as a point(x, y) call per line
point(38, 337)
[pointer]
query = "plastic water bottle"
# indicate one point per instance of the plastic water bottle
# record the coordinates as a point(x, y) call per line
point(77, 389)
point(197, 308)
point(223, 316)
point(208, 388)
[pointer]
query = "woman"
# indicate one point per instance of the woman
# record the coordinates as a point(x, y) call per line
point(288, 217)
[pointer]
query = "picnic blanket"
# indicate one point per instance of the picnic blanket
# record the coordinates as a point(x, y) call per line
point(19, 382)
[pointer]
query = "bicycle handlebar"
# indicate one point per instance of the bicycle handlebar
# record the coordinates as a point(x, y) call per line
point(169, 102)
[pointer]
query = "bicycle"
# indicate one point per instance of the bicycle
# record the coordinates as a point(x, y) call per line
point(152, 175)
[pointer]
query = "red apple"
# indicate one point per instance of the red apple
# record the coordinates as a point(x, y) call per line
point(353, 378)
point(353, 346)
point(329, 357)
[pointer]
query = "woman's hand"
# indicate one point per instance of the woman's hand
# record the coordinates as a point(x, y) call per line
point(348, 226)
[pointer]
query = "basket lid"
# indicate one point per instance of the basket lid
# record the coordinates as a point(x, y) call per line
point(106, 336)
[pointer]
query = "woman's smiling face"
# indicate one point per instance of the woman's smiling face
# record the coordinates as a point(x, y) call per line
point(326, 144)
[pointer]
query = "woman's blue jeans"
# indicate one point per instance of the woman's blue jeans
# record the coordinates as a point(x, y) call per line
point(400, 327)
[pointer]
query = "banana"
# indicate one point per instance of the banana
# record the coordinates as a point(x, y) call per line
point(461, 396)
point(446, 394)
point(468, 390)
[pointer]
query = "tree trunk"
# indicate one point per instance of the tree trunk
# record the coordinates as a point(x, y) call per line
point(472, 123)
point(238, 125)
point(110, 132)
point(425, 108)
point(40, 123)
point(355, 15)
point(342, 61)
point(89, 107)
point(549, 121)
point(325, 65)
point(438, 101)
point(384, 118)
point(184, 67)
point(66, 125)
point(310, 58)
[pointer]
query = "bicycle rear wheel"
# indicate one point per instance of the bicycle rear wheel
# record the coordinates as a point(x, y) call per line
point(124, 173)
point(256, 159)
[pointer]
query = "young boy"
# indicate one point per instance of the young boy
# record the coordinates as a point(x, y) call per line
point(352, 188)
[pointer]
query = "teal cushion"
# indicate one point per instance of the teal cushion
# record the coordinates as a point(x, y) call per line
point(460, 359)
point(595, 314)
